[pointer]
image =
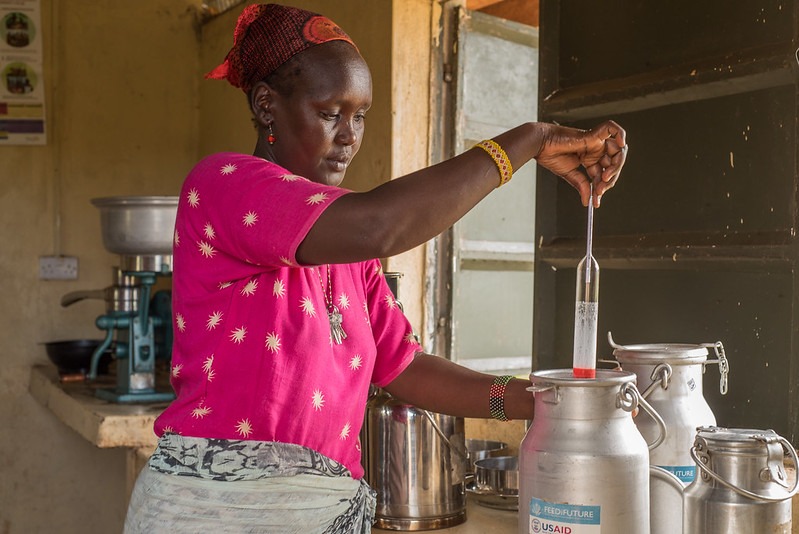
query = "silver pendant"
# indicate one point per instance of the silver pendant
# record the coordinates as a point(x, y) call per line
point(336, 331)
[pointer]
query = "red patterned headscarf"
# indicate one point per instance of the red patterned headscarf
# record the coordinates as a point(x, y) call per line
point(268, 35)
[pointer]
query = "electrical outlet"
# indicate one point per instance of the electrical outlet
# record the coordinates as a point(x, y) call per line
point(58, 268)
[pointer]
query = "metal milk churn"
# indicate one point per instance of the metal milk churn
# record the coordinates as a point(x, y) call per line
point(417, 465)
point(742, 485)
point(669, 376)
point(583, 465)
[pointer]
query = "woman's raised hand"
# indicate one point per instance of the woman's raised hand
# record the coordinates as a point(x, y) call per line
point(582, 157)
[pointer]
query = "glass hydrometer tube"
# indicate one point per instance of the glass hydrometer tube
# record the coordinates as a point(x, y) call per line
point(586, 306)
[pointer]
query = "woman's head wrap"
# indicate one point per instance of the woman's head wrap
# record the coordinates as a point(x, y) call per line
point(268, 35)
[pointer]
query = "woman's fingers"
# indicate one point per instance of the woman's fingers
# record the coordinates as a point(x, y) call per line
point(590, 157)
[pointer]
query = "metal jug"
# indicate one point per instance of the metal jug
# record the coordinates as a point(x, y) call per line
point(742, 484)
point(669, 376)
point(416, 461)
point(583, 465)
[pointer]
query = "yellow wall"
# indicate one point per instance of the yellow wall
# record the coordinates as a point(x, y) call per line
point(128, 114)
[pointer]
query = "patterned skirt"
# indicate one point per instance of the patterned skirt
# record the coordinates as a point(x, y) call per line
point(211, 485)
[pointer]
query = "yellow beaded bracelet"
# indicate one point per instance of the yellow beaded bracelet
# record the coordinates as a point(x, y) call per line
point(500, 158)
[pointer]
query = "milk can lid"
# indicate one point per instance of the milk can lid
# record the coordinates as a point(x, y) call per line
point(565, 377)
point(675, 353)
point(735, 438)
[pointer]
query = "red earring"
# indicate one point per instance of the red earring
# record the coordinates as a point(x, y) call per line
point(271, 137)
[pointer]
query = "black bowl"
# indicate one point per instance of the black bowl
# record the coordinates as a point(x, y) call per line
point(75, 355)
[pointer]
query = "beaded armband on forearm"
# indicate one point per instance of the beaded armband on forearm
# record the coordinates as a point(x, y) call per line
point(496, 397)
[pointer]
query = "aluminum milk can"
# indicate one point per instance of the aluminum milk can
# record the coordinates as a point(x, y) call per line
point(669, 376)
point(583, 465)
point(741, 484)
point(416, 462)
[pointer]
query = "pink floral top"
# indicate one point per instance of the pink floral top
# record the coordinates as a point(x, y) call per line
point(253, 356)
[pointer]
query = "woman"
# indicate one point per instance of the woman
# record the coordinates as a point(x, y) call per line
point(282, 316)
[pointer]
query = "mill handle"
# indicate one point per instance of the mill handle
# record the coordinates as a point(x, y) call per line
point(746, 493)
point(76, 296)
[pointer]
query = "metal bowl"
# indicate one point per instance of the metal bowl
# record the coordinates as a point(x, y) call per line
point(137, 226)
point(497, 476)
point(75, 355)
point(477, 449)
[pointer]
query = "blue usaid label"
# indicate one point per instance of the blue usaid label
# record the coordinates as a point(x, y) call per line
point(686, 473)
point(551, 518)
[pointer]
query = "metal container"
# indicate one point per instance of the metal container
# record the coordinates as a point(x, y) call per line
point(583, 465)
point(478, 449)
point(498, 475)
point(137, 225)
point(669, 376)
point(416, 461)
point(742, 484)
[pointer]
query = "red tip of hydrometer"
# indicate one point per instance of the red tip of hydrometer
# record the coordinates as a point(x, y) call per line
point(581, 372)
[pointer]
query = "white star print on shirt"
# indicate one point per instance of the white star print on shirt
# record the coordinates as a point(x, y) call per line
point(176, 238)
point(194, 198)
point(318, 400)
point(343, 301)
point(345, 432)
point(390, 302)
point(307, 307)
point(181, 322)
point(273, 342)
point(209, 231)
point(206, 249)
point(316, 198)
point(244, 428)
point(237, 335)
point(200, 411)
point(250, 218)
point(230, 168)
point(176, 369)
point(278, 289)
point(355, 362)
point(250, 288)
point(213, 320)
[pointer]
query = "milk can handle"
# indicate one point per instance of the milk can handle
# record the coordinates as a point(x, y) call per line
point(541, 387)
point(746, 493)
point(661, 375)
point(667, 476)
point(442, 436)
point(628, 400)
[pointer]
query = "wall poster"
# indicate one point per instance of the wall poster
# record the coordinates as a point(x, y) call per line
point(22, 118)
